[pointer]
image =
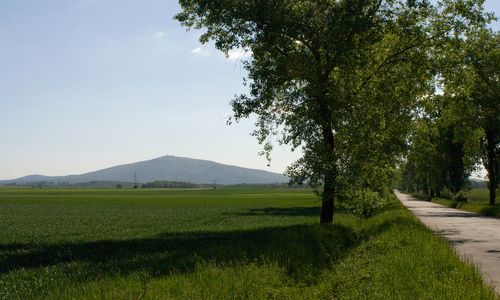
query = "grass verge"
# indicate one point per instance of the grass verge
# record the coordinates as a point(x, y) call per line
point(478, 202)
point(478, 207)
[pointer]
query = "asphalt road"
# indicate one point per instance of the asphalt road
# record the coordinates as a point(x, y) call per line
point(475, 238)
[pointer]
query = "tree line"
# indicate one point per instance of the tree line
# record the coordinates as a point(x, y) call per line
point(458, 129)
point(174, 184)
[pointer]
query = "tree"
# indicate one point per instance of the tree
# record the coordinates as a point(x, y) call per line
point(473, 72)
point(444, 147)
point(484, 62)
point(331, 77)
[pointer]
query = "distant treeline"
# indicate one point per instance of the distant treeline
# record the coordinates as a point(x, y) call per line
point(182, 184)
point(90, 184)
point(162, 184)
point(153, 184)
point(272, 185)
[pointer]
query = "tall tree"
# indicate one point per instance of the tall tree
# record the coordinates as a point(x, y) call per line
point(330, 76)
point(484, 61)
point(444, 146)
point(473, 72)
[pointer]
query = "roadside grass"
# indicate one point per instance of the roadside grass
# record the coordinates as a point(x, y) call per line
point(478, 202)
point(218, 244)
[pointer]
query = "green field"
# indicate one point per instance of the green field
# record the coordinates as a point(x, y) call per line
point(217, 244)
point(478, 202)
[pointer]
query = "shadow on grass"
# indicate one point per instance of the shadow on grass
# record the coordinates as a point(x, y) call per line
point(301, 211)
point(303, 251)
point(282, 211)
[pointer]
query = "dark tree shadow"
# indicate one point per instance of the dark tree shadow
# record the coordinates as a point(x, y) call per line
point(493, 251)
point(303, 251)
point(297, 248)
point(450, 214)
point(282, 211)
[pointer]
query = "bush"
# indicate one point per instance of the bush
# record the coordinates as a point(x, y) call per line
point(460, 197)
point(365, 202)
point(446, 193)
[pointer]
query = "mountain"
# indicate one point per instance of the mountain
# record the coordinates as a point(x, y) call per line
point(169, 168)
point(476, 183)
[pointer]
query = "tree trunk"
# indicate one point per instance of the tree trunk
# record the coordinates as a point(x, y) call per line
point(492, 175)
point(491, 163)
point(455, 154)
point(330, 171)
point(493, 193)
point(327, 206)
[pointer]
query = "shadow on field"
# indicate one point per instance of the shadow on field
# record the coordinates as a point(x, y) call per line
point(282, 211)
point(302, 251)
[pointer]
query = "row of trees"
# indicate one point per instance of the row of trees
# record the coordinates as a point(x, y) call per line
point(342, 80)
point(173, 184)
point(460, 128)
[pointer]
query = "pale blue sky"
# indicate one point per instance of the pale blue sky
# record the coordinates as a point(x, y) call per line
point(88, 84)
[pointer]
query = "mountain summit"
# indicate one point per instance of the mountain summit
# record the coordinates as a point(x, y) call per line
point(169, 168)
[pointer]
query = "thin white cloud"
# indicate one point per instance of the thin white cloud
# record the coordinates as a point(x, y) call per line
point(200, 51)
point(160, 34)
point(239, 54)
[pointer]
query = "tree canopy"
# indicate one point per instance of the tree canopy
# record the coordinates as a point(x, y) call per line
point(339, 79)
point(472, 74)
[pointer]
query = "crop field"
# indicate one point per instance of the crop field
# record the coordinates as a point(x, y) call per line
point(244, 243)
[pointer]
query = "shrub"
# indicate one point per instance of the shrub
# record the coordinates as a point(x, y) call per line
point(364, 202)
point(446, 193)
point(460, 197)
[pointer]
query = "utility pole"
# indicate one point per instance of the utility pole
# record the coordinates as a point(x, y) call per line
point(135, 181)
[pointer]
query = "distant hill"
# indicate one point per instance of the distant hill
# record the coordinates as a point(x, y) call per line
point(169, 168)
point(475, 183)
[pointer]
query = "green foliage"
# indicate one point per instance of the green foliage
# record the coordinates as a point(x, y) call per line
point(460, 197)
point(444, 148)
point(470, 70)
point(364, 202)
point(171, 184)
point(457, 129)
point(446, 193)
point(339, 79)
point(217, 244)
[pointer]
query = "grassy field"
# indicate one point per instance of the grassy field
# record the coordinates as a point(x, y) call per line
point(478, 202)
point(217, 244)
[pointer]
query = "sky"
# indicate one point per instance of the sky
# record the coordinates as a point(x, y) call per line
point(89, 84)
